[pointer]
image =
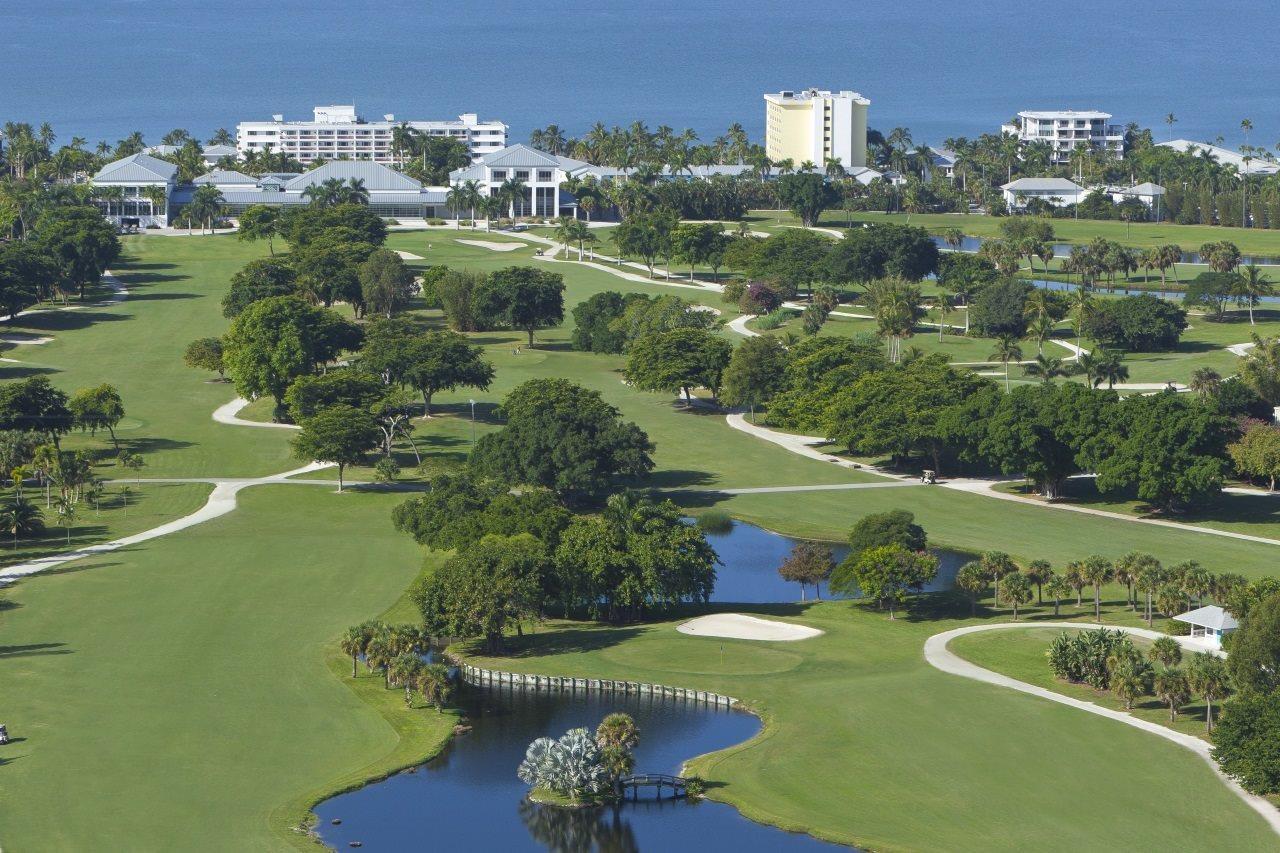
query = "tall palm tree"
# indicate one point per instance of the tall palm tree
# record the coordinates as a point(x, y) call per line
point(66, 507)
point(456, 199)
point(435, 686)
point(1170, 685)
point(1006, 350)
point(1082, 303)
point(352, 643)
point(355, 192)
point(1042, 329)
point(1149, 578)
point(946, 304)
point(1250, 286)
point(1208, 676)
point(1096, 570)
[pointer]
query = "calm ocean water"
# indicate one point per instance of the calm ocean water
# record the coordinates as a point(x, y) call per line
point(103, 68)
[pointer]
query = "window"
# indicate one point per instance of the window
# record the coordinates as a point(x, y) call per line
point(522, 174)
point(544, 175)
point(499, 174)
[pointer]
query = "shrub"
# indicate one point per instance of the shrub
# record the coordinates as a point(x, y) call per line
point(386, 470)
point(1136, 323)
point(1000, 309)
point(1085, 657)
point(434, 221)
point(775, 319)
point(466, 223)
point(760, 298)
point(715, 521)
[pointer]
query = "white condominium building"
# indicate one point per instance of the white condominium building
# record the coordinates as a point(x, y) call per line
point(337, 132)
point(816, 125)
point(1067, 130)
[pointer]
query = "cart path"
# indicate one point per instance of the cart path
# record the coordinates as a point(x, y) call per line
point(939, 656)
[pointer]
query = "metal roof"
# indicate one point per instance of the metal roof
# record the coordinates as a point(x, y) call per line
point(1064, 114)
point(219, 151)
point(1034, 184)
point(519, 155)
point(376, 177)
point(136, 168)
point(225, 176)
point(1211, 616)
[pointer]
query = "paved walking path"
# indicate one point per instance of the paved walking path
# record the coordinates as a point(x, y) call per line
point(939, 656)
point(228, 413)
point(221, 501)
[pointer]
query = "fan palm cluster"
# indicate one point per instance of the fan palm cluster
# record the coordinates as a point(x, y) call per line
point(570, 765)
point(896, 304)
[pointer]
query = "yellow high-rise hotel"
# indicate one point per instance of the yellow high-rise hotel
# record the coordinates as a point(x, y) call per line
point(816, 125)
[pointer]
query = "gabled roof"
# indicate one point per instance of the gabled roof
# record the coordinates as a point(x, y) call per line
point(1211, 616)
point(139, 168)
point(222, 177)
point(522, 156)
point(1042, 185)
point(219, 151)
point(376, 177)
point(1144, 189)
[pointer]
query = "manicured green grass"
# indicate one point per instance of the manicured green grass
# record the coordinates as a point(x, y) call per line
point(187, 688)
point(190, 689)
point(175, 290)
point(865, 743)
point(146, 506)
point(1141, 234)
point(1021, 654)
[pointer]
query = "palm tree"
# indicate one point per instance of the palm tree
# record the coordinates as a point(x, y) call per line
point(1046, 369)
point(1205, 381)
point(1129, 681)
point(66, 514)
point(1207, 675)
point(20, 519)
point(997, 564)
point(1006, 350)
point(456, 199)
point(946, 304)
point(1096, 570)
point(434, 685)
point(404, 671)
point(1110, 368)
point(1171, 687)
point(1251, 285)
point(352, 643)
point(377, 655)
point(1166, 652)
point(1016, 591)
point(972, 578)
point(355, 192)
point(953, 237)
point(1042, 329)
point(1082, 305)
point(1038, 572)
point(1058, 589)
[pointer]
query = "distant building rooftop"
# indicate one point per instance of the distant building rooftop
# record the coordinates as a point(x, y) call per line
point(1211, 616)
point(1065, 114)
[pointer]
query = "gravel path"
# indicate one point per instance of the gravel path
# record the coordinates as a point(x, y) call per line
point(939, 656)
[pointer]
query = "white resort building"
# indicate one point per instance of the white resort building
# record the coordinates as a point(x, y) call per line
point(1067, 130)
point(130, 184)
point(1225, 157)
point(338, 132)
point(1058, 192)
point(1209, 624)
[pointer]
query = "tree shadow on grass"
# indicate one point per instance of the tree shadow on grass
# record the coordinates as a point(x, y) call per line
point(676, 478)
point(34, 649)
point(76, 567)
point(589, 638)
point(694, 498)
point(66, 321)
point(161, 297)
point(153, 444)
point(25, 371)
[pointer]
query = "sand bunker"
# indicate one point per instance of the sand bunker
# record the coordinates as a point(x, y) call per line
point(497, 247)
point(738, 626)
point(409, 256)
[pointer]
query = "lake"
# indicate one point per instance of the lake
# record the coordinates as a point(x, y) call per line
point(470, 799)
point(104, 68)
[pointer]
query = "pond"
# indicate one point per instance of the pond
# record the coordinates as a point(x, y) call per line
point(751, 556)
point(470, 799)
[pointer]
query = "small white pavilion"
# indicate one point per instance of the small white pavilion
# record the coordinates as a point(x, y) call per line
point(1209, 624)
